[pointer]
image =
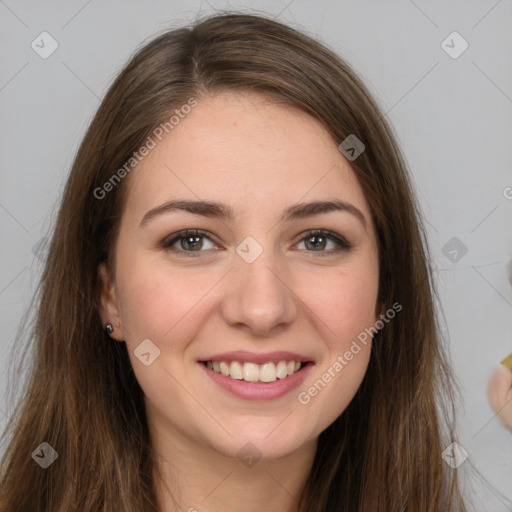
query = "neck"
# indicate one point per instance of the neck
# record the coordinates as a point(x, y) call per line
point(193, 477)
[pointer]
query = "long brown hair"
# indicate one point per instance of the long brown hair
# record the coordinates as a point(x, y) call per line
point(384, 452)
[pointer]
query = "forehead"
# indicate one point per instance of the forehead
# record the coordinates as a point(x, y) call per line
point(246, 150)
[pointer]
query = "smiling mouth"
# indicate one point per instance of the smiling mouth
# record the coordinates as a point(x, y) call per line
point(251, 372)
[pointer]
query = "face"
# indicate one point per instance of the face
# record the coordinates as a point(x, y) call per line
point(254, 281)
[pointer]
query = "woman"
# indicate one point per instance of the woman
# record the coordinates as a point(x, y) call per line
point(291, 363)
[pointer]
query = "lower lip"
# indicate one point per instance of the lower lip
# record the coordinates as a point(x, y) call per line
point(259, 390)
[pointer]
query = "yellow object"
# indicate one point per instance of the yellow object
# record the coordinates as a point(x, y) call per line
point(507, 362)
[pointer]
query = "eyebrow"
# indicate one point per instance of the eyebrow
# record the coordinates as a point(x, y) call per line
point(222, 211)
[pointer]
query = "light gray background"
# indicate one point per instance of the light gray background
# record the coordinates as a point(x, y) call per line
point(452, 118)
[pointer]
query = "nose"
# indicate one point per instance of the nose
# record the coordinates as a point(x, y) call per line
point(259, 297)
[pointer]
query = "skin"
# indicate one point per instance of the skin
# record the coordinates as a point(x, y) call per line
point(257, 157)
point(499, 393)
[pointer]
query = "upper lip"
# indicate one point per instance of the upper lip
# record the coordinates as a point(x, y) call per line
point(251, 357)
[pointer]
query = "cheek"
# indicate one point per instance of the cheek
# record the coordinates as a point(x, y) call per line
point(344, 302)
point(342, 309)
point(157, 301)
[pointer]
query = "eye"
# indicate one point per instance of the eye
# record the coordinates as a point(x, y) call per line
point(191, 241)
point(318, 238)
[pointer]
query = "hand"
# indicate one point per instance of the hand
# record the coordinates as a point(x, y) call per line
point(500, 392)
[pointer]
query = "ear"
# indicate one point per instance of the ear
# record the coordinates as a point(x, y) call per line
point(107, 300)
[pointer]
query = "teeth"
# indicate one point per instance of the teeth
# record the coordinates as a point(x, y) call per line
point(268, 372)
point(224, 369)
point(282, 371)
point(251, 372)
point(235, 371)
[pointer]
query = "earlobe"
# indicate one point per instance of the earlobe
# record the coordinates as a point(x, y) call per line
point(107, 301)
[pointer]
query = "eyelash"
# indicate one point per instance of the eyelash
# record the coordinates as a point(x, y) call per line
point(167, 242)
